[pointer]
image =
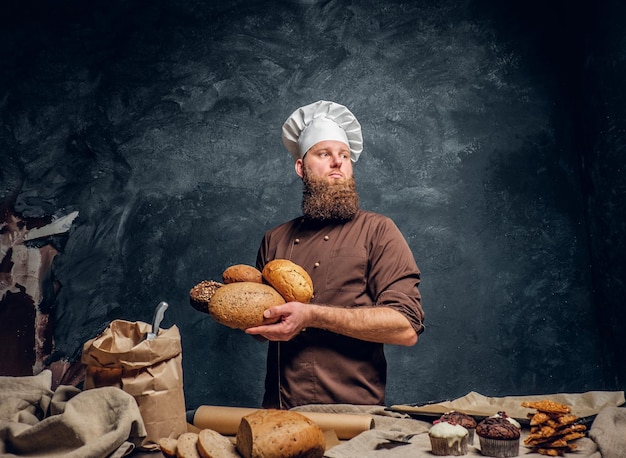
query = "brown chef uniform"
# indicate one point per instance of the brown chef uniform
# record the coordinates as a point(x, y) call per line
point(361, 263)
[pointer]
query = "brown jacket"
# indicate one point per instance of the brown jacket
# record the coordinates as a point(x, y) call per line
point(362, 263)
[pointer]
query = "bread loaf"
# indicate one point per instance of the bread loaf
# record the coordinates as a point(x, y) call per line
point(187, 446)
point(241, 305)
point(279, 434)
point(289, 279)
point(242, 272)
point(212, 444)
point(201, 294)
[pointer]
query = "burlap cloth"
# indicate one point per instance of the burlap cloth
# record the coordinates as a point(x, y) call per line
point(38, 422)
point(399, 435)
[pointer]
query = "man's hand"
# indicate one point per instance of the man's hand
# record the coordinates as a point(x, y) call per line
point(374, 324)
point(291, 322)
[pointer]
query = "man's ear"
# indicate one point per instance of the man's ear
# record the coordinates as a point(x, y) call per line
point(299, 166)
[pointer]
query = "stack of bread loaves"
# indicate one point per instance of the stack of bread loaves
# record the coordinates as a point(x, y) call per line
point(246, 292)
point(261, 434)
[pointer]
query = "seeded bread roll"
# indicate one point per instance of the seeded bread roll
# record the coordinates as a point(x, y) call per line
point(242, 272)
point(212, 444)
point(279, 434)
point(201, 294)
point(241, 305)
point(289, 279)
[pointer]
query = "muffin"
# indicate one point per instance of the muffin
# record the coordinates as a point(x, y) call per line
point(448, 439)
point(461, 419)
point(511, 420)
point(498, 436)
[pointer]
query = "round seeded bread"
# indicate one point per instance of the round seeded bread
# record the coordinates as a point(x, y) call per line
point(289, 279)
point(241, 305)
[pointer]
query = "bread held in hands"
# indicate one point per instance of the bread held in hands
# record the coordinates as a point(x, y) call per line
point(246, 293)
point(289, 279)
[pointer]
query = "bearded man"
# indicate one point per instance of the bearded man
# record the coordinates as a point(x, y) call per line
point(364, 275)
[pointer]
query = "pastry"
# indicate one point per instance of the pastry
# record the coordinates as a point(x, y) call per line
point(464, 420)
point(448, 439)
point(498, 436)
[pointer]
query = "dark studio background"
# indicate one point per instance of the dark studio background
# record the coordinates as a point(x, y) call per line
point(494, 137)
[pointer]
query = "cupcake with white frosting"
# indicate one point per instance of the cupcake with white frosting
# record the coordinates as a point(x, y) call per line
point(458, 418)
point(447, 439)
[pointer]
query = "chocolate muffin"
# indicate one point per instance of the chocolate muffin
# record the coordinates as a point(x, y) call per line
point(461, 419)
point(498, 437)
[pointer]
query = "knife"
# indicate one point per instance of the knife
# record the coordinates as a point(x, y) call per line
point(156, 320)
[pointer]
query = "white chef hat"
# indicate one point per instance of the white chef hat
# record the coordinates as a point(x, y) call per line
point(321, 121)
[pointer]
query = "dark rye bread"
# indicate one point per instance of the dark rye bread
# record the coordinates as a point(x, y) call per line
point(497, 428)
point(201, 294)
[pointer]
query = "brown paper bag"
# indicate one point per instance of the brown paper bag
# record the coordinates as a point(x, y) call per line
point(149, 370)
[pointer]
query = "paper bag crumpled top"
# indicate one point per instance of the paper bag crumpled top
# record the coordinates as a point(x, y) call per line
point(149, 370)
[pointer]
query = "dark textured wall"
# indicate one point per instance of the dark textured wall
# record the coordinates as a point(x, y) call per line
point(604, 159)
point(160, 123)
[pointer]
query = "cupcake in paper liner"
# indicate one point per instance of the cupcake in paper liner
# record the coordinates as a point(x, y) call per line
point(498, 436)
point(447, 439)
point(466, 421)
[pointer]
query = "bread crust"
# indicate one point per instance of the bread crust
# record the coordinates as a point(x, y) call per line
point(242, 272)
point(241, 305)
point(289, 279)
point(279, 434)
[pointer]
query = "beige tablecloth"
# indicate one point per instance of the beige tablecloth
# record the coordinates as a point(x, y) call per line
point(399, 435)
point(69, 423)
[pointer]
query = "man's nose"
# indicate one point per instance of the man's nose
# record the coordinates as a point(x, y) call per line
point(335, 160)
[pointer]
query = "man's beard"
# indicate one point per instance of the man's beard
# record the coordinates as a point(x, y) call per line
point(328, 202)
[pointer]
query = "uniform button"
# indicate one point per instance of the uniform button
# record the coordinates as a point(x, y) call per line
point(326, 237)
point(317, 264)
point(296, 241)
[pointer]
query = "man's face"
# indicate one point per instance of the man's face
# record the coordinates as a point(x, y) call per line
point(329, 191)
point(328, 159)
